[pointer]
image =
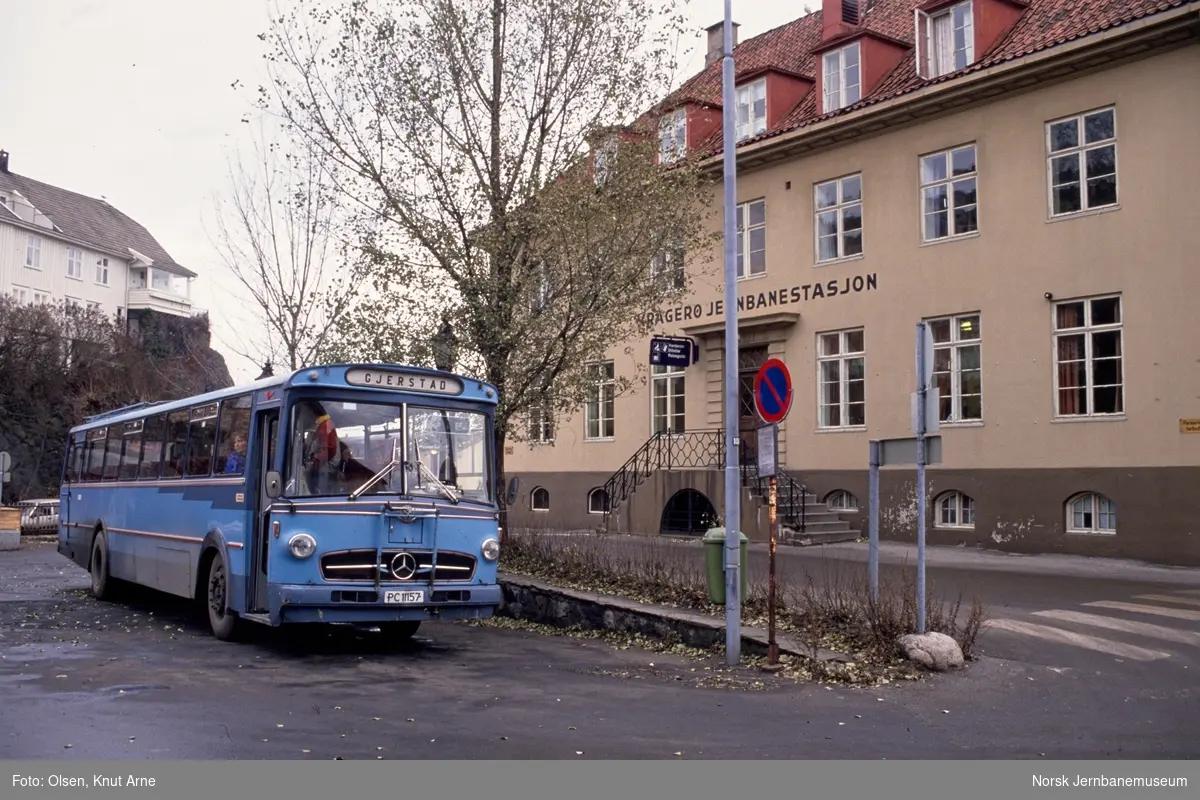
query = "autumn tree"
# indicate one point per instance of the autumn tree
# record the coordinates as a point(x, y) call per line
point(280, 230)
point(503, 158)
point(60, 363)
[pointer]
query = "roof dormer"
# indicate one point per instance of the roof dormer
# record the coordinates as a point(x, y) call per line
point(684, 127)
point(764, 97)
point(851, 58)
point(954, 34)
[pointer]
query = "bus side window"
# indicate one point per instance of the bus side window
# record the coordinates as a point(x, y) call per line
point(95, 456)
point(176, 444)
point(112, 455)
point(234, 430)
point(132, 452)
point(153, 433)
point(74, 456)
point(202, 438)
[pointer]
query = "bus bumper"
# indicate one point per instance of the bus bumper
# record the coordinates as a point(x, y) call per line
point(358, 603)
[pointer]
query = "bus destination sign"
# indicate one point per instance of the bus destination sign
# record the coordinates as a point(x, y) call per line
point(404, 380)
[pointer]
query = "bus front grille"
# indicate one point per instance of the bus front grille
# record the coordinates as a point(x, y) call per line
point(397, 566)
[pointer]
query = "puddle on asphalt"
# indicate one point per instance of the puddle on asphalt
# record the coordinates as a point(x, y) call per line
point(129, 689)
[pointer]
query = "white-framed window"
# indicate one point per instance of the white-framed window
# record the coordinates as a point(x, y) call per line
point(958, 367)
point(604, 160)
point(841, 500)
point(949, 193)
point(597, 501)
point(667, 399)
point(541, 423)
point(955, 510)
point(543, 291)
point(842, 379)
point(752, 238)
point(74, 263)
point(74, 302)
point(839, 218)
point(751, 109)
point(669, 266)
point(33, 251)
point(20, 294)
point(92, 306)
point(539, 499)
point(1089, 375)
point(1091, 513)
point(1082, 162)
point(842, 78)
point(102, 271)
point(945, 40)
point(41, 298)
point(600, 410)
point(672, 136)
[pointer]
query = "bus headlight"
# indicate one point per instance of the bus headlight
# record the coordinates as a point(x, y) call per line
point(302, 545)
point(491, 549)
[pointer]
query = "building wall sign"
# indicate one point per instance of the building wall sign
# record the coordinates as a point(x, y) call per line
point(773, 298)
point(667, 351)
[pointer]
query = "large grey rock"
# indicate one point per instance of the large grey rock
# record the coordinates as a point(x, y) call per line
point(10, 540)
point(935, 651)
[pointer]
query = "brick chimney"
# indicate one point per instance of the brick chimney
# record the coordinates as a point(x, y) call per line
point(839, 17)
point(3, 161)
point(716, 42)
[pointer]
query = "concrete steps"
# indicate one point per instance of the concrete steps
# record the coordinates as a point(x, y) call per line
point(821, 524)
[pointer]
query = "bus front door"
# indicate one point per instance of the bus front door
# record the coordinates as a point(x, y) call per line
point(267, 432)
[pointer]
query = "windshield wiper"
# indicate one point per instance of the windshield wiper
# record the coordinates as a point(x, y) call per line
point(376, 478)
point(446, 490)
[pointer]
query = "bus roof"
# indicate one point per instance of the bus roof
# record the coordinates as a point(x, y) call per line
point(485, 392)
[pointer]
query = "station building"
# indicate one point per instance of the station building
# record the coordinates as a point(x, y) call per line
point(1017, 173)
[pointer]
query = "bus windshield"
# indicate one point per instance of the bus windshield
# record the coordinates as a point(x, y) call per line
point(336, 447)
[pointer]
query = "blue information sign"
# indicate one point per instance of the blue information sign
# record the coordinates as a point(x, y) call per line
point(773, 391)
point(668, 351)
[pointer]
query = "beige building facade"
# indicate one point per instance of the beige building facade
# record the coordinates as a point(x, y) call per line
point(1036, 212)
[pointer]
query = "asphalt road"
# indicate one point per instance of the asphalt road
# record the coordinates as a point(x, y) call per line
point(141, 680)
point(1105, 616)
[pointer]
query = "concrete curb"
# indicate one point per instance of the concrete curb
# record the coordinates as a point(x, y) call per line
point(535, 601)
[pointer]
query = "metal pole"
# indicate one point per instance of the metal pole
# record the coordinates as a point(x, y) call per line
point(874, 520)
point(921, 356)
point(772, 647)
point(733, 505)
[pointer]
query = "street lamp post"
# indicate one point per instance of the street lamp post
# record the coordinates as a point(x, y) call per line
point(733, 505)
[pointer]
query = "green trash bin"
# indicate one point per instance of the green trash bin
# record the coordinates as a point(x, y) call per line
point(714, 561)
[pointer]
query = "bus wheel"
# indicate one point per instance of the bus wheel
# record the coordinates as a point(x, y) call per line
point(103, 587)
point(400, 631)
point(222, 621)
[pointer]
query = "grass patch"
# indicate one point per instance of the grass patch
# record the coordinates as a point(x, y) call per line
point(832, 611)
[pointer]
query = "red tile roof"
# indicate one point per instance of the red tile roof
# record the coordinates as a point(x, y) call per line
point(1043, 24)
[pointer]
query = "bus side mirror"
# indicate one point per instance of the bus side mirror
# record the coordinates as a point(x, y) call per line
point(274, 481)
point(511, 496)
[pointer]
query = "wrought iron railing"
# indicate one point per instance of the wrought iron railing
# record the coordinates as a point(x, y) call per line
point(790, 495)
point(665, 451)
point(703, 449)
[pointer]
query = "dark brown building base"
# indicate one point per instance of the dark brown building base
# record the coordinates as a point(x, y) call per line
point(1017, 510)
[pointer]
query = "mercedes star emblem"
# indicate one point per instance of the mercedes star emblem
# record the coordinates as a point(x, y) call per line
point(404, 566)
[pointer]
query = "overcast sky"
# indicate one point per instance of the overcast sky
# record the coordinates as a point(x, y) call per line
point(133, 101)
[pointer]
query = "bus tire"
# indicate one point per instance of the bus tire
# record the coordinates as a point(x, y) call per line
point(104, 586)
point(222, 620)
point(400, 631)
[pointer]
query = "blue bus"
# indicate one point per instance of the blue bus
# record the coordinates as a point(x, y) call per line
point(352, 493)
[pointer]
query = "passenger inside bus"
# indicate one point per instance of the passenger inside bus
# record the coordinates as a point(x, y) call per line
point(235, 462)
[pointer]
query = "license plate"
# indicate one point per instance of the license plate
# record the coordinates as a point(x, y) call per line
point(404, 598)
